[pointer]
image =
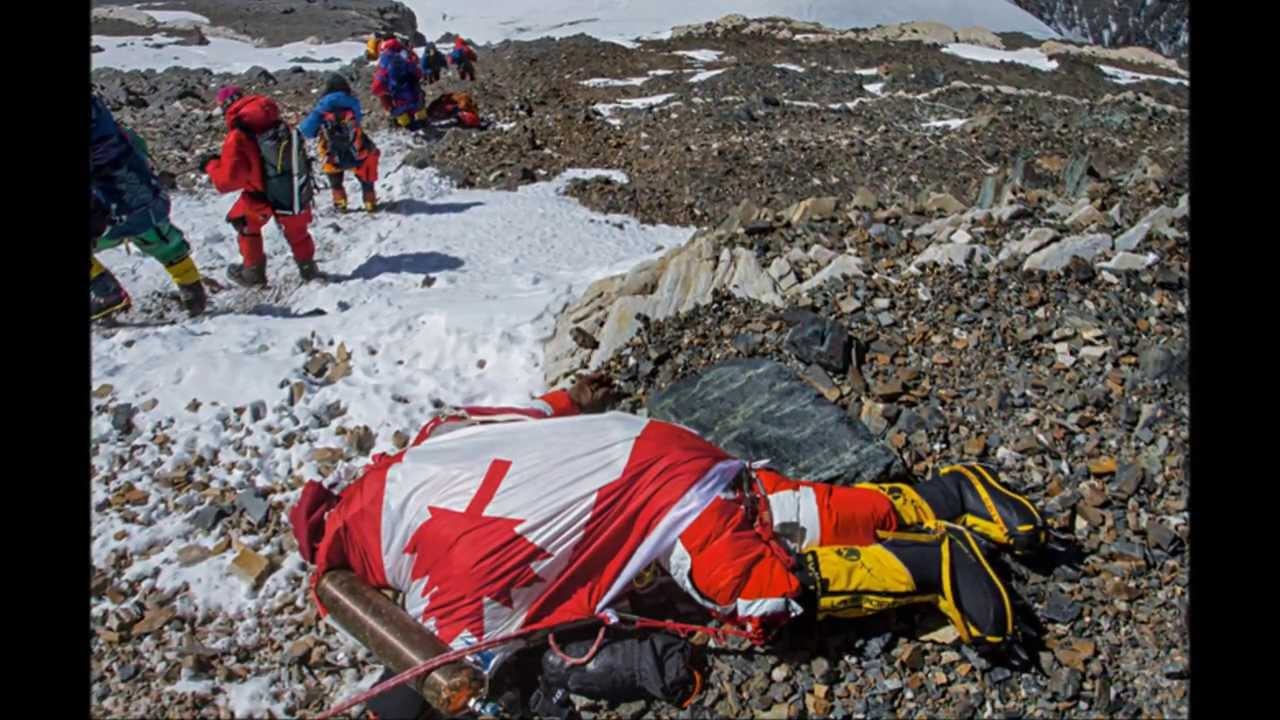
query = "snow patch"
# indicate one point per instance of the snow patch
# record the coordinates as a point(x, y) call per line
point(789, 66)
point(1128, 77)
point(867, 71)
point(169, 16)
point(1031, 57)
point(614, 82)
point(251, 697)
point(874, 88)
point(639, 103)
point(706, 75)
point(702, 56)
point(497, 20)
point(157, 52)
point(950, 124)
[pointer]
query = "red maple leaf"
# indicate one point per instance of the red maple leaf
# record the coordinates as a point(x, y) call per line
point(468, 556)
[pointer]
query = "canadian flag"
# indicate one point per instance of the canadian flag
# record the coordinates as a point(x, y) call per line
point(499, 527)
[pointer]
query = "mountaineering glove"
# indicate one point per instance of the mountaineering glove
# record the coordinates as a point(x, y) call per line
point(593, 393)
point(203, 162)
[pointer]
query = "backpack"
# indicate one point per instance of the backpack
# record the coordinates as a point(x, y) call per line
point(342, 139)
point(400, 77)
point(466, 103)
point(286, 169)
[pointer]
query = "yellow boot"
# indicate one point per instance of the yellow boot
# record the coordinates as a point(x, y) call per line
point(191, 291)
point(971, 495)
point(944, 568)
point(106, 295)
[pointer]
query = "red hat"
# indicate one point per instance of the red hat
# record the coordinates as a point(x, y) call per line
point(392, 45)
point(229, 94)
point(459, 42)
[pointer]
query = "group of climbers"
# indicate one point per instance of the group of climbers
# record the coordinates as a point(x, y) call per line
point(266, 161)
point(397, 82)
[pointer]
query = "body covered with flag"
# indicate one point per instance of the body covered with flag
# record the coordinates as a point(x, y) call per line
point(491, 522)
point(498, 519)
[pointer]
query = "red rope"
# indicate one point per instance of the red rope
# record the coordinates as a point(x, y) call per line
point(424, 668)
point(721, 634)
point(572, 661)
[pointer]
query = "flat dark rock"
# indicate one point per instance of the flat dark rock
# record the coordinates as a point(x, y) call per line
point(761, 410)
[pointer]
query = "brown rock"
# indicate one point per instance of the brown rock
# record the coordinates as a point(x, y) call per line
point(103, 391)
point(192, 554)
point(361, 440)
point(296, 391)
point(583, 339)
point(975, 446)
point(338, 371)
point(154, 620)
point(150, 405)
point(136, 497)
point(327, 454)
point(1091, 515)
point(344, 355)
point(318, 363)
point(1103, 466)
point(817, 706)
point(1094, 494)
point(300, 649)
point(220, 546)
point(1069, 657)
point(400, 440)
point(890, 390)
point(819, 379)
point(913, 658)
point(250, 566)
point(193, 406)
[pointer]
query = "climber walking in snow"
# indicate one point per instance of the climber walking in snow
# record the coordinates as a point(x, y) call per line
point(396, 85)
point(342, 143)
point(126, 203)
point(266, 161)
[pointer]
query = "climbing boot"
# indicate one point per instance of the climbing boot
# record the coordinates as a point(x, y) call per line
point(973, 495)
point(248, 276)
point(309, 271)
point(191, 291)
point(945, 568)
point(106, 295)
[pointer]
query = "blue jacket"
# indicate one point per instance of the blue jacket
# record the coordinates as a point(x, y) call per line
point(333, 102)
point(121, 177)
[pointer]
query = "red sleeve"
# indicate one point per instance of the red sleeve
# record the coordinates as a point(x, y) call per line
point(561, 404)
point(379, 87)
point(234, 170)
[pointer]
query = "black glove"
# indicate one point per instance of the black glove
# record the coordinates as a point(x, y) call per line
point(203, 161)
